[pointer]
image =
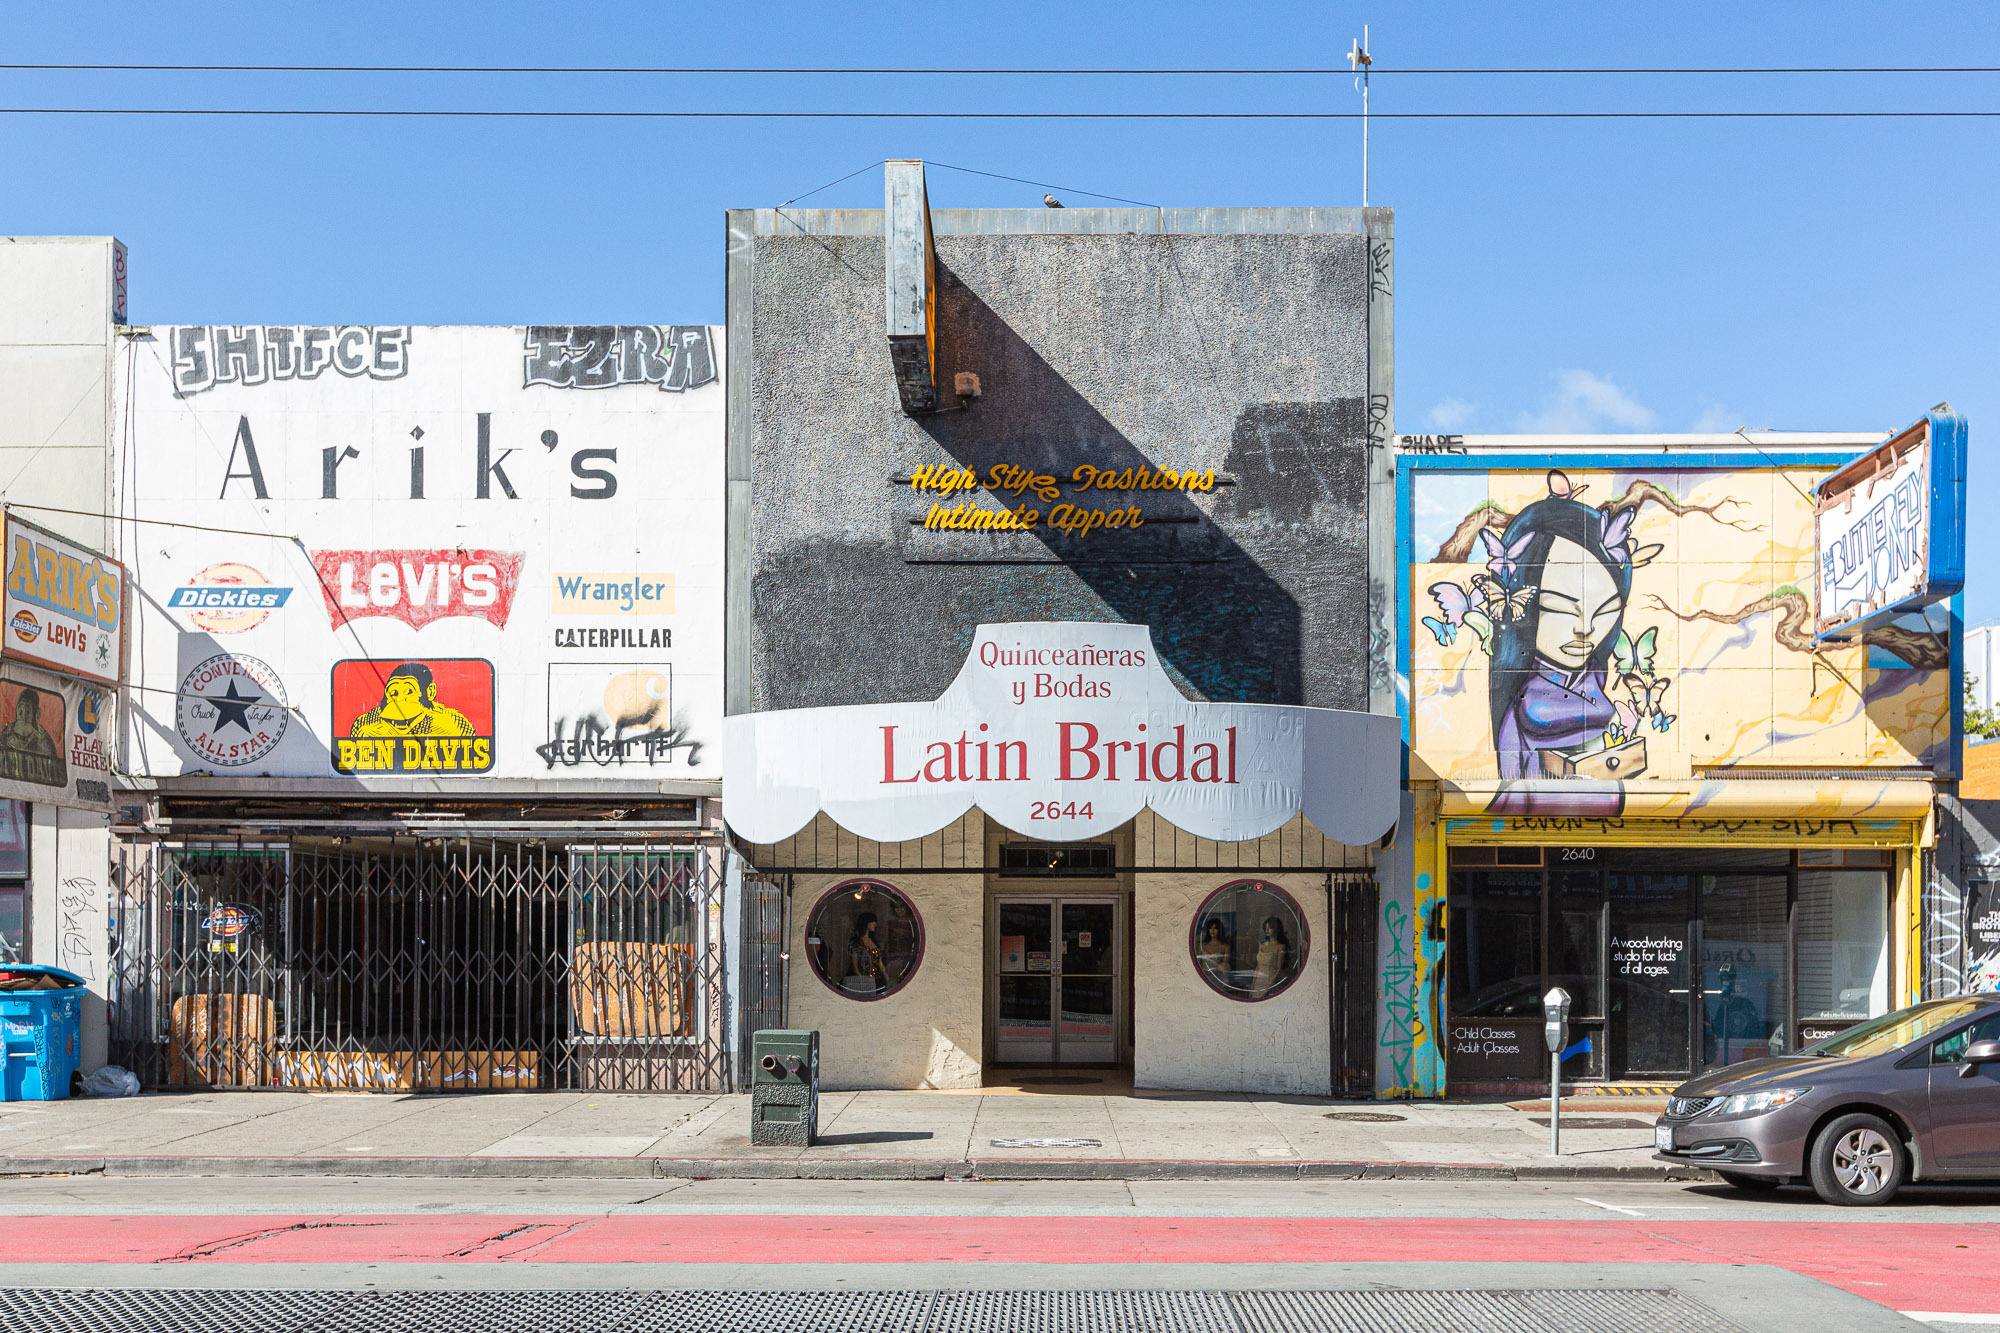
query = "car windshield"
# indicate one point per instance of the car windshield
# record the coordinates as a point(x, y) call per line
point(1892, 1031)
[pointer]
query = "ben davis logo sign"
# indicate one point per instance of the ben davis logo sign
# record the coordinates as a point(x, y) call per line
point(433, 715)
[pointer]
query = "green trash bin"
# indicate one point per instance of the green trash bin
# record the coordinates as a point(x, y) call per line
point(784, 1088)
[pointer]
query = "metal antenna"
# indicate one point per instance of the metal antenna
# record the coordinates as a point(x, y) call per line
point(1360, 60)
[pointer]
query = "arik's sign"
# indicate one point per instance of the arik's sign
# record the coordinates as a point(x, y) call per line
point(1890, 528)
point(1062, 730)
point(65, 605)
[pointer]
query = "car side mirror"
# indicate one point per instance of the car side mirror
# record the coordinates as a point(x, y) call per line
point(1977, 1054)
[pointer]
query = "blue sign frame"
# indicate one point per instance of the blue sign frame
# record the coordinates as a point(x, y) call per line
point(1943, 556)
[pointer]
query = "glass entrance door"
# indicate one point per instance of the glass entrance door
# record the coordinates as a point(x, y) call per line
point(1649, 964)
point(1057, 980)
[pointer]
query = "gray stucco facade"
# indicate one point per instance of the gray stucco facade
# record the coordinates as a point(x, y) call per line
point(1235, 341)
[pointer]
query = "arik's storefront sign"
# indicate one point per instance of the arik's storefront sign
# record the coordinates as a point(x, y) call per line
point(65, 605)
point(1062, 730)
point(1890, 528)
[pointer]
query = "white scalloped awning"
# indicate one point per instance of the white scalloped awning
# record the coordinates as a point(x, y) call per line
point(1064, 730)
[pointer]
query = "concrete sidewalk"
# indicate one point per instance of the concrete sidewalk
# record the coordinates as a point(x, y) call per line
point(863, 1135)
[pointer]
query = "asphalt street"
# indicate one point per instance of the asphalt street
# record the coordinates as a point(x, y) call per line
point(1780, 1260)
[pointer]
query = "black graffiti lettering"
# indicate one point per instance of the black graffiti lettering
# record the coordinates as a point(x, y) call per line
point(594, 739)
point(598, 356)
point(238, 353)
point(255, 474)
point(1380, 255)
point(205, 355)
point(193, 371)
point(1432, 444)
point(1378, 420)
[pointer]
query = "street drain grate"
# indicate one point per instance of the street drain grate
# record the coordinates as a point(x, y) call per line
point(140, 1310)
point(1365, 1117)
point(1596, 1122)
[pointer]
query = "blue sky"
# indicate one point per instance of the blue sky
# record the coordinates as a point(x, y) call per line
point(1565, 276)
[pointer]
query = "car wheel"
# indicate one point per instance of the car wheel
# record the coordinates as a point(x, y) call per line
point(1858, 1160)
point(1754, 1184)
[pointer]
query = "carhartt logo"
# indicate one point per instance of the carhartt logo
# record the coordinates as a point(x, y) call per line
point(612, 594)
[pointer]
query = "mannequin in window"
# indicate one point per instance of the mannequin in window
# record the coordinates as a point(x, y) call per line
point(866, 972)
point(1214, 949)
point(1271, 951)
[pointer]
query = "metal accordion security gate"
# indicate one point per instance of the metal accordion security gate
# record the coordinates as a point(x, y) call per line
point(420, 963)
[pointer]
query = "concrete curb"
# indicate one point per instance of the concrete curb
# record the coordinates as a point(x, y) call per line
point(811, 1168)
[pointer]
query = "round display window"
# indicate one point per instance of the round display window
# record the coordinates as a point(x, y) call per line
point(1249, 940)
point(865, 940)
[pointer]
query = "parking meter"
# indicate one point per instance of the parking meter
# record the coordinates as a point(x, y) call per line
point(1555, 1019)
point(1555, 1031)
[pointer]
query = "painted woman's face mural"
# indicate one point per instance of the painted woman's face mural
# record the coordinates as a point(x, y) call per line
point(1580, 604)
point(1662, 632)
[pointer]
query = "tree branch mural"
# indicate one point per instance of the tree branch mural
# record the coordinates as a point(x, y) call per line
point(1924, 650)
point(1457, 548)
point(1794, 614)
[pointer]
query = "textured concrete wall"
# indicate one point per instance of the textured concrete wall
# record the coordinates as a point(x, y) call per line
point(1241, 352)
point(1185, 1035)
point(926, 1035)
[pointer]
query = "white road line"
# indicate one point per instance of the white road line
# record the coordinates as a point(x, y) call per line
point(1649, 1208)
point(1610, 1207)
point(1940, 1317)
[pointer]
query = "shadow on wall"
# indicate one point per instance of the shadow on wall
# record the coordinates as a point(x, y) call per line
point(1224, 627)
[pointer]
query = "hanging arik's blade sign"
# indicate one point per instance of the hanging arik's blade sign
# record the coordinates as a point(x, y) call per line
point(417, 587)
point(65, 605)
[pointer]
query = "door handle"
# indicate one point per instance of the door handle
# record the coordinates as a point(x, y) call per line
point(1682, 991)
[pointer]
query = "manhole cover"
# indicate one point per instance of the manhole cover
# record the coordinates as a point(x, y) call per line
point(1596, 1122)
point(1068, 1082)
point(1365, 1117)
point(1047, 1143)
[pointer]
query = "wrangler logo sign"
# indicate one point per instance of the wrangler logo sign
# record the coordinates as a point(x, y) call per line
point(65, 604)
point(431, 716)
point(613, 594)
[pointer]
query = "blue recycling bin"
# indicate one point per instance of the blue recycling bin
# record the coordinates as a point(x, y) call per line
point(42, 1032)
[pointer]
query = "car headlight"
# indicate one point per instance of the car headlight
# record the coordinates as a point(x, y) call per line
point(1750, 1103)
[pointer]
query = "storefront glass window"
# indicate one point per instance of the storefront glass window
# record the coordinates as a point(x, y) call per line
point(1843, 944)
point(1496, 944)
point(1745, 988)
point(865, 940)
point(1576, 939)
point(1249, 940)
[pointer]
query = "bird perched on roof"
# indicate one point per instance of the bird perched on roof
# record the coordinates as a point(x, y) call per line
point(1052, 201)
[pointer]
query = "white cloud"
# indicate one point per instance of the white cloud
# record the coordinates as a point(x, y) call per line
point(1715, 419)
point(1450, 415)
point(1581, 403)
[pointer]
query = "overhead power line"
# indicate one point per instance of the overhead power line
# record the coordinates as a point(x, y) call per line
point(448, 113)
point(984, 72)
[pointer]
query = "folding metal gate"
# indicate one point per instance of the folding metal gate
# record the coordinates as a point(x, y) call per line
point(1352, 904)
point(420, 963)
point(760, 987)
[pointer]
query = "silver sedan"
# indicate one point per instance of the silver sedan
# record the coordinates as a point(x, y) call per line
point(1913, 1095)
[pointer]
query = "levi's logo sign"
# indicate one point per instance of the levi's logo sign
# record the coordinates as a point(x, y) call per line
point(417, 587)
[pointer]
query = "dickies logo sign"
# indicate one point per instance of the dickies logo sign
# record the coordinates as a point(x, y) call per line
point(228, 599)
point(428, 716)
point(417, 587)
